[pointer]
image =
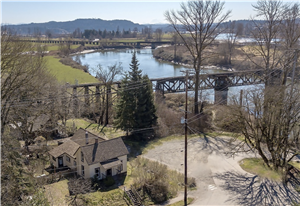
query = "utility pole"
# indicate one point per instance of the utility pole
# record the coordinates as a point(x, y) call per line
point(185, 140)
point(187, 72)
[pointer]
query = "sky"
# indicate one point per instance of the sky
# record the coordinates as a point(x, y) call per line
point(142, 12)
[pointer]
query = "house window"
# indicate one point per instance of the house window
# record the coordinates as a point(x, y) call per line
point(74, 163)
point(68, 158)
point(54, 159)
point(82, 157)
point(97, 172)
point(82, 170)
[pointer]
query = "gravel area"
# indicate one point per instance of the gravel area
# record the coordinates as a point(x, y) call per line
point(220, 180)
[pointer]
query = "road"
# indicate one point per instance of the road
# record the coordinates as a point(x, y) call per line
point(219, 178)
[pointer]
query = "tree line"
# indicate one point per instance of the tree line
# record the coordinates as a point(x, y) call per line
point(91, 34)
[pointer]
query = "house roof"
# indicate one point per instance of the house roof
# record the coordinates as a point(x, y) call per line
point(69, 147)
point(79, 137)
point(104, 150)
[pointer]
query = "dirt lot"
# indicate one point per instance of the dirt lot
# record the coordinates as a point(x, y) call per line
point(220, 180)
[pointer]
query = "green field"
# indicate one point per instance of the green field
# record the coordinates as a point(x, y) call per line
point(55, 47)
point(65, 73)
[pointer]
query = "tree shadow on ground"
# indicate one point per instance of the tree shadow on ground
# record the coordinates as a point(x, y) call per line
point(252, 190)
point(211, 144)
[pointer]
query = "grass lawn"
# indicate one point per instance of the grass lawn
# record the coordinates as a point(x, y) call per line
point(256, 166)
point(296, 165)
point(108, 132)
point(181, 203)
point(112, 197)
point(65, 73)
point(57, 192)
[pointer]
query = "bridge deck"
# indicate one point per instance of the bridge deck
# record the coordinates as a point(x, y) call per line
point(207, 81)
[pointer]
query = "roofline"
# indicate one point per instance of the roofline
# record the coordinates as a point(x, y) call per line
point(104, 160)
point(91, 133)
point(64, 153)
point(104, 141)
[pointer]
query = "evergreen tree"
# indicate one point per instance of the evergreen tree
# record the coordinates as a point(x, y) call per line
point(125, 107)
point(145, 109)
point(135, 110)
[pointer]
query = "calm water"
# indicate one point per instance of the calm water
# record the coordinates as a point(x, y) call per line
point(149, 65)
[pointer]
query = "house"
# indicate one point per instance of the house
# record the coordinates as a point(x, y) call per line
point(91, 155)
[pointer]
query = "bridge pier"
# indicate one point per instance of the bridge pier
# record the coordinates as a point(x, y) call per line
point(86, 96)
point(153, 45)
point(108, 103)
point(97, 95)
point(75, 102)
point(221, 90)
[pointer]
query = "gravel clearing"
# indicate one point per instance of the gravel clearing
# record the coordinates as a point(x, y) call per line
point(220, 180)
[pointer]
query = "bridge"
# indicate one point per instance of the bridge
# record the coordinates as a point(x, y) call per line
point(220, 82)
point(133, 44)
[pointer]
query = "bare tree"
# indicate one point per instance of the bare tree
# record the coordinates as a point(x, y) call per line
point(197, 25)
point(272, 133)
point(232, 33)
point(158, 34)
point(78, 186)
point(290, 34)
point(276, 37)
point(65, 48)
point(107, 76)
point(48, 33)
point(269, 117)
point(23, 76)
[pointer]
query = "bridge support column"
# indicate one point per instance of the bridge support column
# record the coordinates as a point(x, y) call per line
point(138, 45)
point(108, 102)
point(153, 45)
point(159, 91)
point(274, 78)
point(97, 95)
point(221, 90)
point(75, 102)
point(86, 96)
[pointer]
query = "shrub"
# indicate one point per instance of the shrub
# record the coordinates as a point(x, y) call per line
point(157, 180)
point(109, 181)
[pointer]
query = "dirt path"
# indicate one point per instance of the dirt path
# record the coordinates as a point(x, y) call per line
point(220, 180)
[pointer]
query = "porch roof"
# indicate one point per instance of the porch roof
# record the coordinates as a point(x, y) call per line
point(110, 164)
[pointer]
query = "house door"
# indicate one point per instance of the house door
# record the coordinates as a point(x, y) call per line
point(108, 172)
point(60, 162)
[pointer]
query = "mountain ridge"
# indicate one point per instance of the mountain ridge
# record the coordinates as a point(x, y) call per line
point(67, 27)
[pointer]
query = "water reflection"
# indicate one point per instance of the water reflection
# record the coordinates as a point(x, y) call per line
point(149, 65)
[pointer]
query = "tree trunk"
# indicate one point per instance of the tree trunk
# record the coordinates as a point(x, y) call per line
point(197, 79)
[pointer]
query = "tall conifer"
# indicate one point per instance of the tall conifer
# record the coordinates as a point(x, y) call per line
point(135, 110)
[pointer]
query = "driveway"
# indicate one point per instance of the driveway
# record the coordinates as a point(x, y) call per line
point(220, 180)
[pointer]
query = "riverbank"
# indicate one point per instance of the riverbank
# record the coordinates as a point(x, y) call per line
point(213, 57)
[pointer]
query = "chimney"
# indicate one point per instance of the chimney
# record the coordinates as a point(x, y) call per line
point(96, 140)
point(86, 137)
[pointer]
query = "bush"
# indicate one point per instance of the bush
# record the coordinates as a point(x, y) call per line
point(157, 180)
point(109, 181)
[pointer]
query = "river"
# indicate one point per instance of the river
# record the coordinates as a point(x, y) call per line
point(148, 64)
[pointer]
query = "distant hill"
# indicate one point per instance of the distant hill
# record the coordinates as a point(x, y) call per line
point(68, 27)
